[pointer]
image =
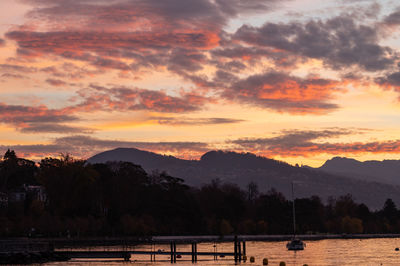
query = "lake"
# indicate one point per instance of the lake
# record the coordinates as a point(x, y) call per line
point(380, 251)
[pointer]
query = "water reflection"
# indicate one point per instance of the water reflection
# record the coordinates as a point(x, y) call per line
point(321, 253)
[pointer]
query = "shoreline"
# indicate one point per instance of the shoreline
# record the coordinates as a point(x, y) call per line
point(113, 241)
point(270, 238)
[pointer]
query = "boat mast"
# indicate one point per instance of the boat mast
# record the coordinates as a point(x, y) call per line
point(294, 214)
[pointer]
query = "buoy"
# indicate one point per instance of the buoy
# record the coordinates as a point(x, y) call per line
point(244, 258)
point(305, 264)
point(265, 261)
point(252, 259)
point(397, 249)
point(282, 263)
point(178, 256)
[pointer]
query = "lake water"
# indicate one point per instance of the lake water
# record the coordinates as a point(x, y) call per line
point(379, 251)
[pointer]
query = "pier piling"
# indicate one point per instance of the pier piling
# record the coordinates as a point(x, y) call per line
point(172, 252)
point(235, 248)
point(194, 252)
point(239, 251)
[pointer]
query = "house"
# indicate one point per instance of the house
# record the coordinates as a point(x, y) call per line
point(27, 191)
point(36, 192)
point(17, 195)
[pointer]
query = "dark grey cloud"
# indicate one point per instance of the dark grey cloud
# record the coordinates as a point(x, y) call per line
point(233, 66)
point(70, 71)
point(393, 18)
point(340, 42)
point(254, 54)
point(391, 80)
point(174, 12)
point(17, 68)
point(73, 44)
point(95, 14)
point(56, 82)
point(201, 81)
point(186, 121)
point(110, 63)
point(224, 77)
point(235, 7)
point(289, 139)
point(187, 60)
point(53, 128)
point(13, 76)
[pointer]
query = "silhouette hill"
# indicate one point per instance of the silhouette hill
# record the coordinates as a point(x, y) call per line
point(243, 168)
point(386, 171)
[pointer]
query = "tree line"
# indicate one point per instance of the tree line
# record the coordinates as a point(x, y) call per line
point(121, 199)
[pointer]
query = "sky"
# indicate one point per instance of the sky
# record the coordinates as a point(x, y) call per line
point(300, 81)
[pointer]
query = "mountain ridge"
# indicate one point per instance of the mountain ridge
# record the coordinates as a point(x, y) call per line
point(243, 168)
point(385, 171)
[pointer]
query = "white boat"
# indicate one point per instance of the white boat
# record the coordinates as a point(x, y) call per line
point(295, 243)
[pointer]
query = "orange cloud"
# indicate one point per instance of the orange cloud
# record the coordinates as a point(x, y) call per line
point(298, 143)
point(38, 119)
point(284, 93)
point(84, 147)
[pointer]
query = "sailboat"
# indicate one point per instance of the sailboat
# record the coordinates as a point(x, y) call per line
point(295, 243)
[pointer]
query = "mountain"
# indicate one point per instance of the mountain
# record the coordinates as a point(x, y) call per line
point(243, 168)
point(386, 171)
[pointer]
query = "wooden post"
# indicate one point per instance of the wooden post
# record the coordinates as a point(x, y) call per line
point(192, 252)
point(172, 252)
point(239, 251)
point(153, 252)
point(195, 251)
point(244, 247)
point(215, 251)
point(235, 249)
point(127, 256)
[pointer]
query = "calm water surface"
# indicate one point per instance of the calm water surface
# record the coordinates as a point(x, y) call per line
point(324, 252)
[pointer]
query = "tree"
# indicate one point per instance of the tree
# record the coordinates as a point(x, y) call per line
point(345, 206)
point(390, 211)
point(252, 191)
point(15, 172)
point(71, 186)
point(352, 225)
point(10, 155)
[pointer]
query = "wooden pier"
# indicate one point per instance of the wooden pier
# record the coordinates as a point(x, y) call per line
point(239, 250)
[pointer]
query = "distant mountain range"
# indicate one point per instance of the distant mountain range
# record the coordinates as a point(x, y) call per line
point(386, 171)
point(334, 178)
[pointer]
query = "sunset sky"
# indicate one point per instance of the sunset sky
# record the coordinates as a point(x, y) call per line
point(300, 81)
